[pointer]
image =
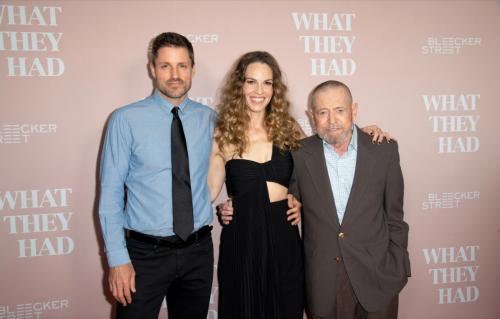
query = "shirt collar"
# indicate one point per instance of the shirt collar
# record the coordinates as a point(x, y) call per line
point(166, 105)
point(354, 139)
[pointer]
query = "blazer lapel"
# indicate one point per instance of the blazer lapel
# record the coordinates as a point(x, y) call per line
point(316, 165)
point(362, 171)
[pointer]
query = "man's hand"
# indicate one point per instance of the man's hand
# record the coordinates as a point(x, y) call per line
point(294, 211)
point(225, 211)
point(121, 281)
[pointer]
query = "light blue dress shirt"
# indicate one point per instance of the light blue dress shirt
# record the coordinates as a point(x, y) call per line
point(341, 172)
point(136, 165)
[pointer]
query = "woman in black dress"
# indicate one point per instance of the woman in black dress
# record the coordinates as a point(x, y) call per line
point(260, 267)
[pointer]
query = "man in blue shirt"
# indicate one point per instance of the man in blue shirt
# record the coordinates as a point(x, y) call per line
point(148, 259)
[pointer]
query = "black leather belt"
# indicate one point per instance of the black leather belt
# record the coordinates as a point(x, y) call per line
point(170, 241)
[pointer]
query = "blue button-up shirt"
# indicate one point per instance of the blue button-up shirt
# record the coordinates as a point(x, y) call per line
point(136, 165)
point(341, 172)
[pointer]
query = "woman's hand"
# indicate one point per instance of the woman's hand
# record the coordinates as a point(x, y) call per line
point(377, 133)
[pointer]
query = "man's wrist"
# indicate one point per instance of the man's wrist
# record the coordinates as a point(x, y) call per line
point(118, 257)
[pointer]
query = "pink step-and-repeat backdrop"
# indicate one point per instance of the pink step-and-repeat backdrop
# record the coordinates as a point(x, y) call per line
point(426, 71)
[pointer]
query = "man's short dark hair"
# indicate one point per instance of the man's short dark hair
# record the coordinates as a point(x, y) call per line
point(173, 40)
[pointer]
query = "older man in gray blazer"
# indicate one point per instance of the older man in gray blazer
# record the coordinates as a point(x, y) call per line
point(355, 239)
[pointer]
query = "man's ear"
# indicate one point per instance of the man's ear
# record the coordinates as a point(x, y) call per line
point(354, 107)
point(310, 117)
point(152, 70)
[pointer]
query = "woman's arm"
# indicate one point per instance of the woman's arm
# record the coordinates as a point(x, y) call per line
point(216, 171)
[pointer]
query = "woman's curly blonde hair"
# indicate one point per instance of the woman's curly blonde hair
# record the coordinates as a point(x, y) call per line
point(233, 121)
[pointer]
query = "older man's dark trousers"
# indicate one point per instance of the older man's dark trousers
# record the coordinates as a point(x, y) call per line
point(182, 275)
point(347, 306)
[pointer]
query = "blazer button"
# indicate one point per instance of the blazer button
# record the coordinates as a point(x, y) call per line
point(338, 259)
point(341, 235)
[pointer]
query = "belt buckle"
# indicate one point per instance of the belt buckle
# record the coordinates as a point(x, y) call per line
point(193, 238)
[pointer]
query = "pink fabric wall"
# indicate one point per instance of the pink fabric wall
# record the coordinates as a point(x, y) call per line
point(427, 71)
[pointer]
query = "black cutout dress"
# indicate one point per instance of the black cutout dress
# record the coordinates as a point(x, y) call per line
point(260, 267)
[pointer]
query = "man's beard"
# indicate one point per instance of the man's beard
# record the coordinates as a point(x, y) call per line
point(335, 140)
point(175, 94)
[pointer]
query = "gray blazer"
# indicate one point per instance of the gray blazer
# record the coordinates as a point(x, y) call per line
point(372, 240)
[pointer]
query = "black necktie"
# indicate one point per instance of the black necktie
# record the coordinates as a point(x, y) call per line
point(182, 203)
